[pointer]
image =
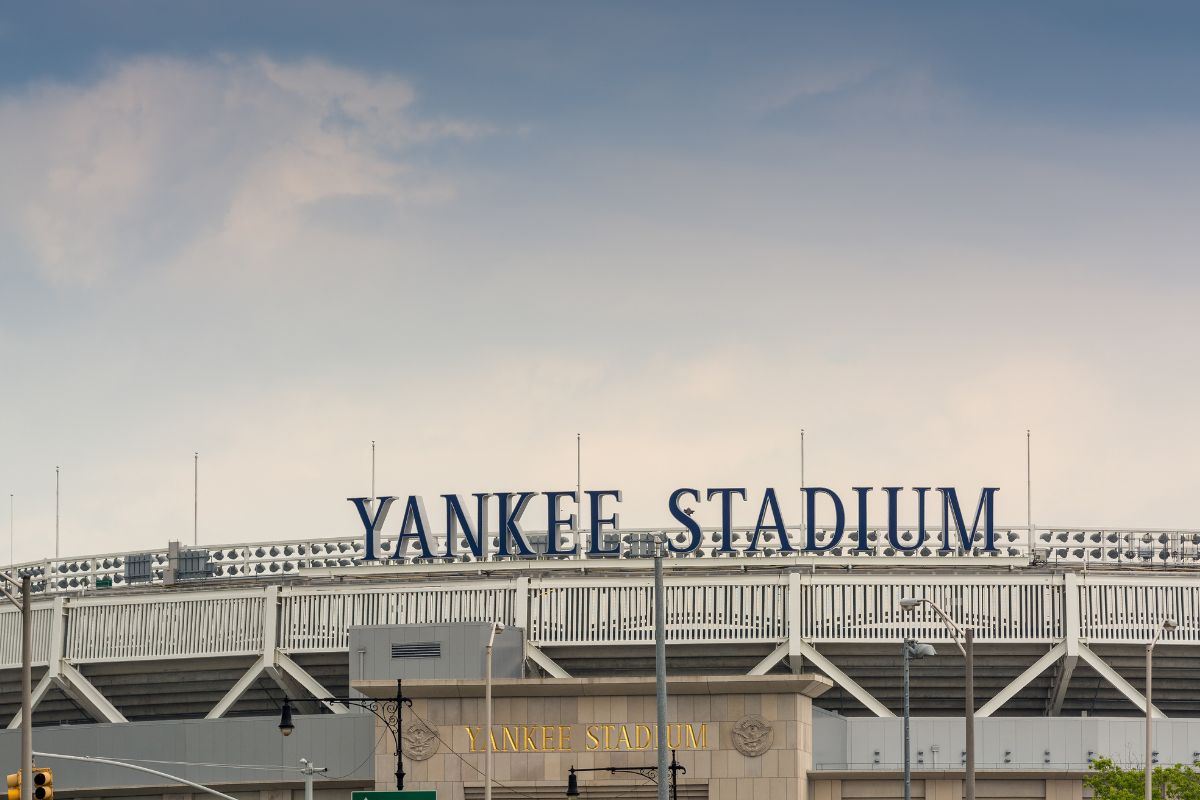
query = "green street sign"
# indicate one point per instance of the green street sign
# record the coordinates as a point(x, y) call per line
point(103, 583)
point(419, 794)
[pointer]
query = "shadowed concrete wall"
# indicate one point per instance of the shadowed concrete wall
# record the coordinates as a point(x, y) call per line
point(343, 743)
point(1026, 743)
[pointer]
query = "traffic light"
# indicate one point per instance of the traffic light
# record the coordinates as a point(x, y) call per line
point(43, 784)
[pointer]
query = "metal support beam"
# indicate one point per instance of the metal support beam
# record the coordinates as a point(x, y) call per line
point(74, 685)
point(234, 694)
point(841, 679)
point(302, 677)
point(1062, 679)
point(535, 654)
point(39, 693)
point(1009, 692)
point(1120, 684)
point(777, 655)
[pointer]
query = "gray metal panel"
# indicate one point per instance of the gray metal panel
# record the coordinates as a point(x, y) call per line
point(340, 742)
point(1023, 741)
point(462, 656)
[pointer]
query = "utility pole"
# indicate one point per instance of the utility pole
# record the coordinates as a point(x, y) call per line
point(24, 604)
point(307, 769)
point(660, 665)
point(969, 659)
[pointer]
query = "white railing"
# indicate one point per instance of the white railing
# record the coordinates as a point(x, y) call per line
point(867, 609)
point(318, 621)
point(10, 634)
point(703, 607)
point(601, 612)
point(198, 625)
point(1116, 610)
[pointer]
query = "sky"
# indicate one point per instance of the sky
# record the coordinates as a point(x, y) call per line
point(271, 233)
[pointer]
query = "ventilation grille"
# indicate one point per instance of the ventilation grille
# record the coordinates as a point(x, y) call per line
point(417, 650)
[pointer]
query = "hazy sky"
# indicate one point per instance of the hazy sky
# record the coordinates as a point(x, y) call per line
point(272, 232)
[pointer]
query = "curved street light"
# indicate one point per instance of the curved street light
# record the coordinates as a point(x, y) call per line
point(1166, 625)
point(964, 638)
point(389, 711)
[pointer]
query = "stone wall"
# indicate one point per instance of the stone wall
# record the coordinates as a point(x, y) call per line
point(739, 738)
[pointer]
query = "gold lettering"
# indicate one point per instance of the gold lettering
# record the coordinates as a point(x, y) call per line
point(530, 745)
point(509, 737)
point(608, 729)
point(564, 738)
point(471, 736)
point(593, 742)
point(623, 739)
point(676, 743)
point(548, 738)
point(638, 741)
point(693, 742)
point(492, 736)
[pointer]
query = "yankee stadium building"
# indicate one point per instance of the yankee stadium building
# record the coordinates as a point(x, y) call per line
point(786, 652)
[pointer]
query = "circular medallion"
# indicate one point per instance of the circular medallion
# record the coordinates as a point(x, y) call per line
point(752, 735)
point(419, 741)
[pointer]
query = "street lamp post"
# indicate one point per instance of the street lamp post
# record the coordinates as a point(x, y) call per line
point(389, 711)
point(912, 649)
point(487, 701)
point(650, 773)
point(967, 647)
point(24, 604)
point(650, 545)
point(1165, 625)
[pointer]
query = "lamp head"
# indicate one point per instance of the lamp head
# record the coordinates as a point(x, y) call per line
point(909, 603)
point(1169, 625)
point(923, 650)
point(572, 784)
point(498, 627)
point(285, 719)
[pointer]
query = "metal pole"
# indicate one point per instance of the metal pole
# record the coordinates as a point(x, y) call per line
point(579, 492)
point(307, 769)
point(660, 668)
point(908, 643)
point(1028, 494)
point(487, 730)
point(57, 485)
point(803, 494)
point(1149, 724)
point(196, 500)
point(969, 648)
point(26, 689)
point(399, 736)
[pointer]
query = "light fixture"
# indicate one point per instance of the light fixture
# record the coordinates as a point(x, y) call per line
point(572, 784)
point(285, 719)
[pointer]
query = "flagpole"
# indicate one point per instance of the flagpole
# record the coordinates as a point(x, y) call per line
point(803, 517)
point(196, 499)
point(579, 493)
point(57, 488)
point(1029, 491)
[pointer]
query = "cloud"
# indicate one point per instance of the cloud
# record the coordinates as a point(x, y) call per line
point(204, 163)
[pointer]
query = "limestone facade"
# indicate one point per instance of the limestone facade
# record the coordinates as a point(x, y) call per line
point(739, 737)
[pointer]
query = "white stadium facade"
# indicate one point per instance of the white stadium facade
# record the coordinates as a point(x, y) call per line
point(784, 666)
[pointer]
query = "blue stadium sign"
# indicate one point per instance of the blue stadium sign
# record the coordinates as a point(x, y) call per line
point(513, 541)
